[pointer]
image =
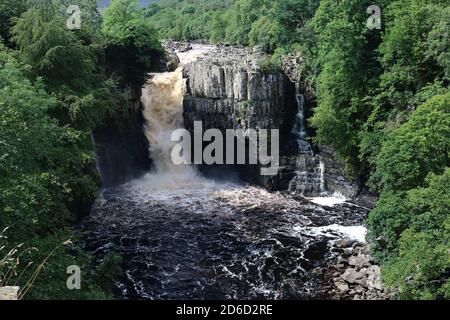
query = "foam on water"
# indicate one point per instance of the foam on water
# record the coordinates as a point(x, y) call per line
point(329, 201)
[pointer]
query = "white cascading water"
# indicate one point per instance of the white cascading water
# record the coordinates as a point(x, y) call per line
point(323, 189)
point(299, 129)
point(162, 98)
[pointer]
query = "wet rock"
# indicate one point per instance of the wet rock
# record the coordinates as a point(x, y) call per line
point(172, 61)
point(356, 244)
point(374, 278)
point(347, 252)
point(359, 289)
point(362, 276)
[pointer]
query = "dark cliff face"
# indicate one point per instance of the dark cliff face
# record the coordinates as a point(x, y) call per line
point(227, 90)
point(122, 148)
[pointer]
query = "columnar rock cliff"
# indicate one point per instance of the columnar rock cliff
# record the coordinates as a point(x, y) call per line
point(226, 89)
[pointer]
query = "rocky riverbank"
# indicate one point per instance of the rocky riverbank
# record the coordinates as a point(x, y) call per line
point(354, 274)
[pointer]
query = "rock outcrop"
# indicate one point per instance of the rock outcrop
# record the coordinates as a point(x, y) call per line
point(226, 89)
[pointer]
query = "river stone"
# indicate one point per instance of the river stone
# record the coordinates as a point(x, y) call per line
point(359, 289)
point(344, 243)
point(9, 293)
point(348, 251)
point(342, 286)
point(358, 244)
point(351, 275)
point(374, 278)
point(359, 261)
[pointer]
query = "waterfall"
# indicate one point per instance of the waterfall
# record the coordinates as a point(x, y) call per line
point(299, 183)
point(162, 98)
point(323, 189)
point(309, 175)
point(299, 129)
point(163, 111)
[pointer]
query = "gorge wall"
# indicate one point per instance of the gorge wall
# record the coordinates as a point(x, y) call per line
point(226, 89)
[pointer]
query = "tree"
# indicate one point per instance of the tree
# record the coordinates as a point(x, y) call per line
point(9, 9)
point(413, 152)
point(421, 269)
point(53, 51)
point(41, 167)
point(132, 48)
point(417, 148)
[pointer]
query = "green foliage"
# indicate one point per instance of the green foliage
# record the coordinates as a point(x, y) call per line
point(409, 227)
point(42, 166)
point(413, 58)
point(132, 46)
point(421, 269)
point(272, 63)
point(417, 148)
point(412, 152)
point(53, 91)
point(53, 51)
point(9, 9)
point(347, 59)
point(189, 20)
point(55, 257)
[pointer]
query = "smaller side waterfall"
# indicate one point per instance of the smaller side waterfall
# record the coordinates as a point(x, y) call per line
point(299, 129)
point(309, 178)
point(299, 183)
point(323, 188)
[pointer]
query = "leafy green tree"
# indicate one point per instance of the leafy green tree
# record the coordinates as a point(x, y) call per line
point(244, 13)
point(417, 149)
point(420, 271)
point(265, 33)
point(413, 59)
point(10, 9)
point(54, 52)
point(41, 169)
point(132, 48)
point(347, 61)
point(218, 25)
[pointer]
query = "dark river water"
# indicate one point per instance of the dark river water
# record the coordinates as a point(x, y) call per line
point(200, 239)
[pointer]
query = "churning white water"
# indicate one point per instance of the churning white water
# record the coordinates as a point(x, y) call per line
point(162, 98)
